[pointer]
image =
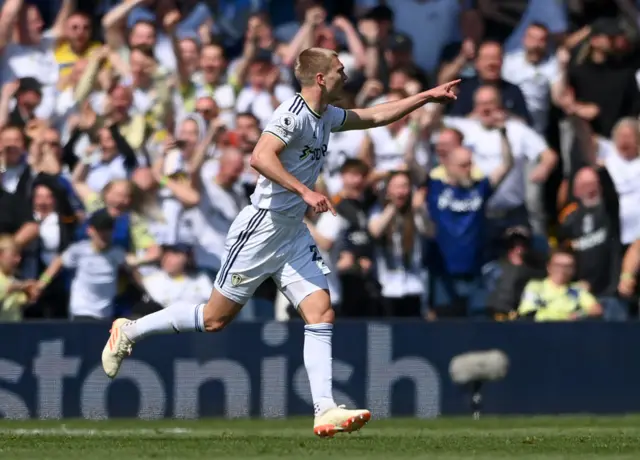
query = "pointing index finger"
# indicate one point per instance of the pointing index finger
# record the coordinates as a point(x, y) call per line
point(331, 208)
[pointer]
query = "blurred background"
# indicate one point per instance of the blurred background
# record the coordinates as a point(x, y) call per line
point(148, 110)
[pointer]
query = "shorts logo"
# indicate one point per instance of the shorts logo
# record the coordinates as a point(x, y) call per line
point(236, 280)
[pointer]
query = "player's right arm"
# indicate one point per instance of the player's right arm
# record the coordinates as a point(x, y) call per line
point(383, 114)
point(265, 159)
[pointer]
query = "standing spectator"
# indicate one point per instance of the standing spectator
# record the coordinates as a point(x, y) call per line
point(534, 70)
point(56, 228)
point(28, 97)
point(556, 298)
point(456, 202)
point(624, 167)
point(398, 227)
point(591, 225)
point(361, 291)
point(14, 294)
point(96, 262)
point(222, 199)
point(76, 43)
point(263, 92)
point(32, 53)
point(515, 202)
point(603, 88)
point(489, 70)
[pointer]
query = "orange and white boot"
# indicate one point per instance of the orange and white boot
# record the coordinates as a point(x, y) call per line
point(117, 348)
point(340, 420)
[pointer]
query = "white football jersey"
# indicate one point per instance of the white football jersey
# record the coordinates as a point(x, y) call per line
point(306, 137)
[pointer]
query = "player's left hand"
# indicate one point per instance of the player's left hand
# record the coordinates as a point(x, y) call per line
point(444, 93)
point(318, 202)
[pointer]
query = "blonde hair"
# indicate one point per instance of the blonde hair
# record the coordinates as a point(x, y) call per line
point(311, 62)
point(7, 243)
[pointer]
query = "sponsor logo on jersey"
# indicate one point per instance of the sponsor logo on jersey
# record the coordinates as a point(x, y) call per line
point(315, 153)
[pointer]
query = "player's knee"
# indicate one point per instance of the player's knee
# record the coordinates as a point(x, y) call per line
point(318, 312)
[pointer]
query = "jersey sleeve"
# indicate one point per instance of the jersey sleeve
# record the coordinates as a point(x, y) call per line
point(71, 256)
point(528, 304)
point(284, 125)
point(337, 117)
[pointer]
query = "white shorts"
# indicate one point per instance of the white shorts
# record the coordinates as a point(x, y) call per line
point(262, 244)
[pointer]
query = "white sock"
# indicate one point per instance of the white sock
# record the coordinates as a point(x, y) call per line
point(179, 317)
point(317, 360)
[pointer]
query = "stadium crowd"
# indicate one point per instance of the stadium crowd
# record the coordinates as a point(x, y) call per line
point(126, 129)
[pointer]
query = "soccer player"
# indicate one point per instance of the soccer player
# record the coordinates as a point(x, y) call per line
point(269, 238)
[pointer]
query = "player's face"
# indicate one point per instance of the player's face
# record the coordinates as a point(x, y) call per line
point(335, 80)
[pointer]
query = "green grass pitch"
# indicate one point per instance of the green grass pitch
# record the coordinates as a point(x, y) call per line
point(539, 438)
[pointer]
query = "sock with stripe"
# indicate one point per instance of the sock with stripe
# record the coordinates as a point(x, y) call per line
point(176, 318)
point(317, 361)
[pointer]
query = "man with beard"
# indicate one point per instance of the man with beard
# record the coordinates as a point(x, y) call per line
point(590, 223)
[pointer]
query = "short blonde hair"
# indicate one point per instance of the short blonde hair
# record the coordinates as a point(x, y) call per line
point(311, 62)
point(7, 243)
point(626, 121)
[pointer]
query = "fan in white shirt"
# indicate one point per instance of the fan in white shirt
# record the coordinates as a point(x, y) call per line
point(33, 54)
point(534, 72)
point(624, 168)
point(206, 225)
point(173, 283)
point(264, 94)
point(526, 145)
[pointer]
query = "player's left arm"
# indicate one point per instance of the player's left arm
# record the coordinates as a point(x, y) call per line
point(383, 114)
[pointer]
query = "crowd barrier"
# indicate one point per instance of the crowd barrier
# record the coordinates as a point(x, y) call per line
point(52, 370)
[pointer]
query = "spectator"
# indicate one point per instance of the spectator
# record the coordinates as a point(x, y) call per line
point(222, 200)
point(515, 201)
point(535, 71)
point(556, 298)
point(28, 97)
point(598, 85)
point(76, 43)
point(456, 58)
point(520, 265)
point(398, 226)
point(56, 228)
point(211, 79)
point(32, 53)
point(591, 225)
point(386, 147)
point(489, 68)
point(264, 92)
point(14, 294)
point(624, 167)
point(456, 203)
point(174, 282)
point(354, 264)
point(96, 262)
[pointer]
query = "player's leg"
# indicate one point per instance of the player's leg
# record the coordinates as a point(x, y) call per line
point(303, 282)
point(238, 278)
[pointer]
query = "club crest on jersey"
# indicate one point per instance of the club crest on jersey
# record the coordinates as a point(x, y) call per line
point(315, 153)
point(236, 280)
